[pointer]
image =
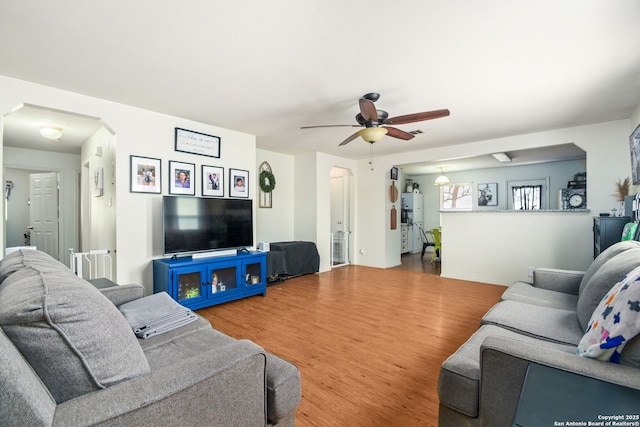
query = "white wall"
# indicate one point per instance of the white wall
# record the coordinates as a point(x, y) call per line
point(143, 133)
point(635, 119)
point(99, 230)
point(275, 224)
point(607, 147)
point(312, 195)
point(305, 197)
point(499, 247)
point(375, 242)
point(146, 133)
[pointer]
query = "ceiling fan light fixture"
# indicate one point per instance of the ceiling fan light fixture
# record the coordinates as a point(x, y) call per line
point(52, 133)
point(442, 179)
point(373, 134)
point(502, 157)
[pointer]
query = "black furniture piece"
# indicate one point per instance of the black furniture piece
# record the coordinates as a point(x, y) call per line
point(291, 259)
point(550, 397)
point(607, 230)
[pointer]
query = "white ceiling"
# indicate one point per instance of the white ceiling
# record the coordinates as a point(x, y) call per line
point(22, 129)
point(502, 67)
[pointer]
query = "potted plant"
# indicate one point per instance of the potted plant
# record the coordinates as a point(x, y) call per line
point(623, 189)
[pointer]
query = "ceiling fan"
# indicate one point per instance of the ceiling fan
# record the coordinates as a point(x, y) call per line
point(374, 122)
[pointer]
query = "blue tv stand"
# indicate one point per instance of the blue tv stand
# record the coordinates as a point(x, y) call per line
point(203, 282)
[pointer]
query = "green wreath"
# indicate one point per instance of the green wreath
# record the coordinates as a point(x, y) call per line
point(267, 181)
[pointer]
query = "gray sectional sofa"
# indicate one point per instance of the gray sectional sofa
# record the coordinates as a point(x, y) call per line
point(70, 358)
point(535, 323)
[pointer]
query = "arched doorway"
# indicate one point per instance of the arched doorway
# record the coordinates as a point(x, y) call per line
point(84, 140)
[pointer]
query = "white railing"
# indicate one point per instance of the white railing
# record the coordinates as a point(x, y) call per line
point(93, 264)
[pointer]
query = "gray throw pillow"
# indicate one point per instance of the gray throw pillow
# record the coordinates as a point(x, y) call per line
point(607, 275)
point(606, 255)
point(23, 257)
point(72, 336)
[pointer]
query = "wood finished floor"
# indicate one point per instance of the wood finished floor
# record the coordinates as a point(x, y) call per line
point(414, 262)
point(369, 342)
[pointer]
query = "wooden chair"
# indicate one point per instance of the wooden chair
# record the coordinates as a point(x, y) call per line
point(427, 240)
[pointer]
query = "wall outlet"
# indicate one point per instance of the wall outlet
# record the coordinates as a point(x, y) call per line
point(361, 251)
point(530, 271)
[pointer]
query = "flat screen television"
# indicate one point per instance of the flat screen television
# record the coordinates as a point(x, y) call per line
point(198, 224)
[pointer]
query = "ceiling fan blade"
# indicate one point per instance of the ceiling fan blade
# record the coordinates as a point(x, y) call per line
point(397, 133)
point(417, 117)
point(351, 138)
point(330, 126)
point(368, 110)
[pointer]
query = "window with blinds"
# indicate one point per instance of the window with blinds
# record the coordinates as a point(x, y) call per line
point(527, 197)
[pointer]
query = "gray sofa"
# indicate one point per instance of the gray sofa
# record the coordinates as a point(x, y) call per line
point(535, 323)
point(70, 358)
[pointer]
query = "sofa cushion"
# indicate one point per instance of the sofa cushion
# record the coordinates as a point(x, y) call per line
point(527, 293)
point(72, 336)
point(614, 322)
point(196, 339)
point(24, 400)
point(545, 323)
point(459, 382)
point(603, 280)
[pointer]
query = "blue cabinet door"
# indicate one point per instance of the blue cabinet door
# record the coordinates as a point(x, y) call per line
point(189, 286)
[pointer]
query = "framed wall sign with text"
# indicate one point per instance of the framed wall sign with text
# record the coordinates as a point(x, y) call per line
point(197, 143)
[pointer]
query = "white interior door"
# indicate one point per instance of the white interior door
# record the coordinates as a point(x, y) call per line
point(43, 196)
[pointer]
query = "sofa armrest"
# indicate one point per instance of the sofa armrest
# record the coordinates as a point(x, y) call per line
point(565, 281)
point(119, 295)
point(504, 363)
point(223, 386)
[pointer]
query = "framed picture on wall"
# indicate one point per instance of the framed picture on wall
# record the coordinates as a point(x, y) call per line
point(145, 175)
point(488, 194)
point(182, 178)
point(238, 183)
point(394, 173)
point(212, 181)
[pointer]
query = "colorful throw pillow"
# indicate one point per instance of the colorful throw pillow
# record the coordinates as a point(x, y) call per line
point(614, 322)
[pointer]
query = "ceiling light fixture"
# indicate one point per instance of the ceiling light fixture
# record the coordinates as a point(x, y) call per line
point(51, 133)
point(442, 179)
point(502, 157)
point(373, 134)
